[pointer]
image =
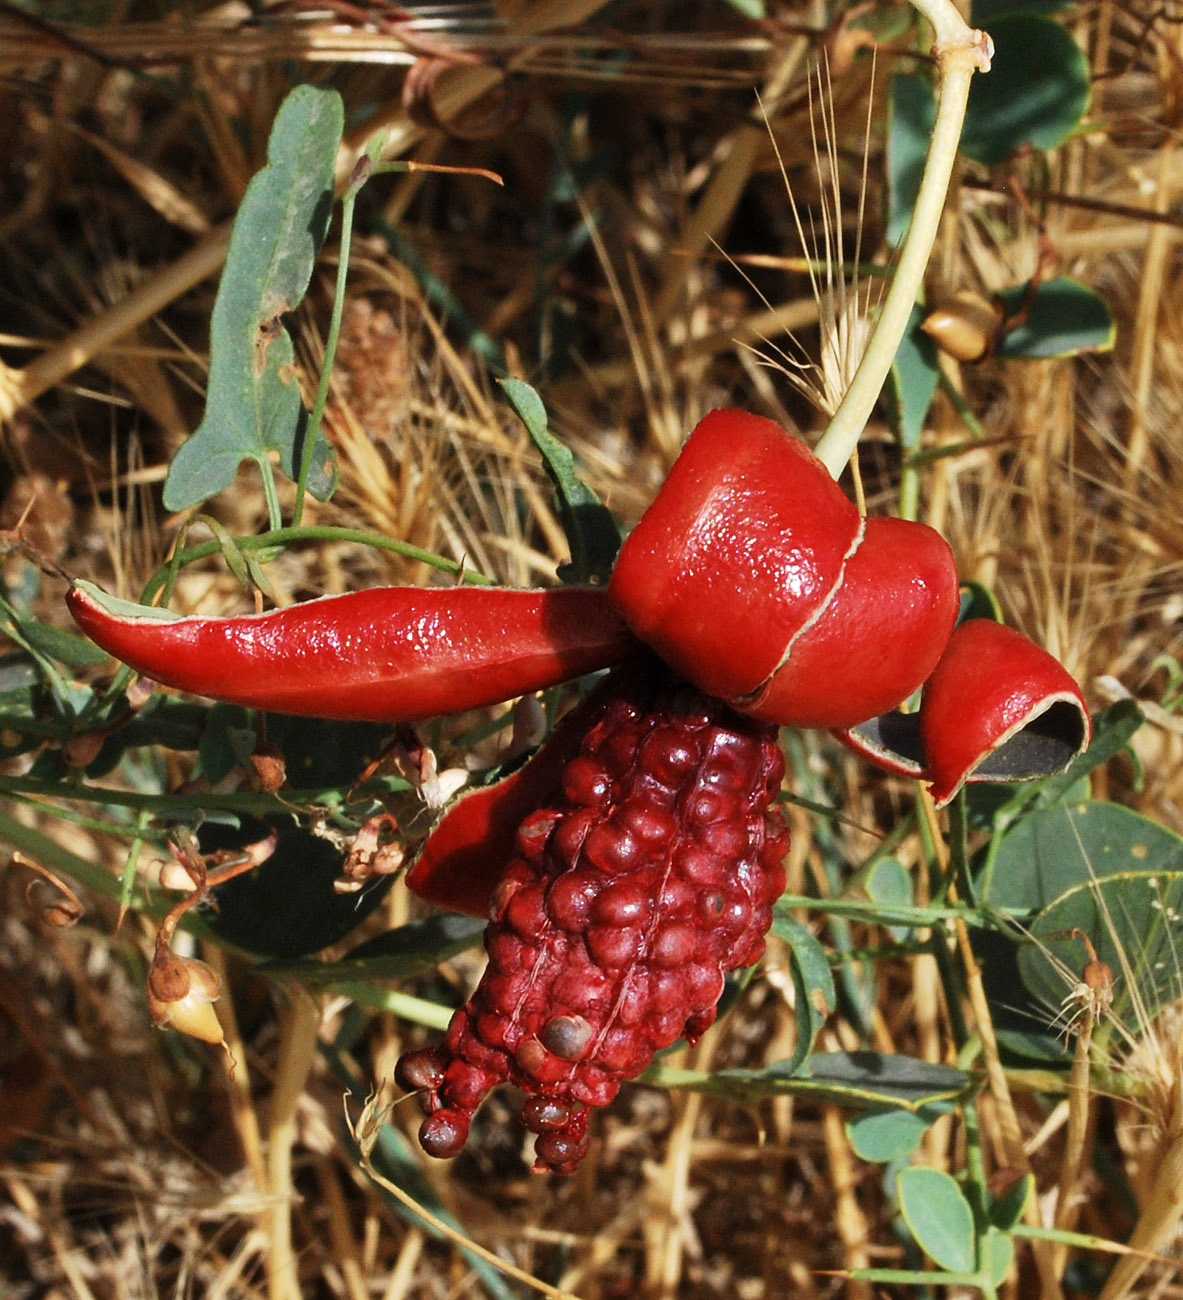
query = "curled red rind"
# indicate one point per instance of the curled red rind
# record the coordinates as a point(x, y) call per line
point(756, 578)
point(743, 545)
point(390, 654)
point(997, 707)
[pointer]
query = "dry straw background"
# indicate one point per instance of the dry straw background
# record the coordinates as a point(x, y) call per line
point(133, 1163)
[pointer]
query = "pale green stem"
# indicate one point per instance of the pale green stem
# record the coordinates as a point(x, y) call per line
point(959, 52)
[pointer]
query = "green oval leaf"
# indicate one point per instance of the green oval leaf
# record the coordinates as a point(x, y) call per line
point(890, 884)
point(590, 527)
point(253, 405)
point(885, 1135)
point(1036, 92)
point(1059, 848)
point(914, 377)
point(1010, 1207)
point(998, 1255)
point(938, 1217)
point(1064, 319)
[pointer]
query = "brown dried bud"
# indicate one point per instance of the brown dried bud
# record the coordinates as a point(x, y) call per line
point(375, 852)
point(1097, 978)
point(63, 914)
point(269, 766)
point(181, 991)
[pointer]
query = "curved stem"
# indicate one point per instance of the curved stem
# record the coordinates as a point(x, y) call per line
point(959, 52)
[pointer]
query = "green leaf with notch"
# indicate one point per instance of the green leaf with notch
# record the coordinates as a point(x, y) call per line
point(253, 406)
point(591, 530)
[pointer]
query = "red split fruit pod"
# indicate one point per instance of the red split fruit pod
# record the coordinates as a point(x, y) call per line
point(755, 578)
point(390, 654)
point(996, 708)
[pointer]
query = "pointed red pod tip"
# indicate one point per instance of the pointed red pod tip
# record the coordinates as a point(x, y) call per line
point(389, 654)
point(997, 707)
point(739, 551)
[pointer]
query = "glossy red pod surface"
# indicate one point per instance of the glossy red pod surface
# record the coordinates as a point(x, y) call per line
point(740, 549)
point(876, 640)
point(390, 654)
point(755, 577)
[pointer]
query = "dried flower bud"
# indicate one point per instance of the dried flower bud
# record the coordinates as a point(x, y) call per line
point(268, 765)
point(1097, 978)
point(181, 991)
point(375, 852)
point(62, 914)
point(64, 910)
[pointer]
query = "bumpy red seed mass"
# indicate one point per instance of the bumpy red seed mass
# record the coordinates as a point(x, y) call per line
point(652, 873)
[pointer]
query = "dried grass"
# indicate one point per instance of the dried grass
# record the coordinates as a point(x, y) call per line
point(135, 1164)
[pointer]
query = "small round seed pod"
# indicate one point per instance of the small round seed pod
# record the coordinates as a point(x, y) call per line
point(965, 325)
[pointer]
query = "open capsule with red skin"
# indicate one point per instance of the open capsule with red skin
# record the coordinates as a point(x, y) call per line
point(755, 577)
point(997, 708)
point(751, 575)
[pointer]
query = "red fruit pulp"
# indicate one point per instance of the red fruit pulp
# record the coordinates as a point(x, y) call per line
point(650, 873)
